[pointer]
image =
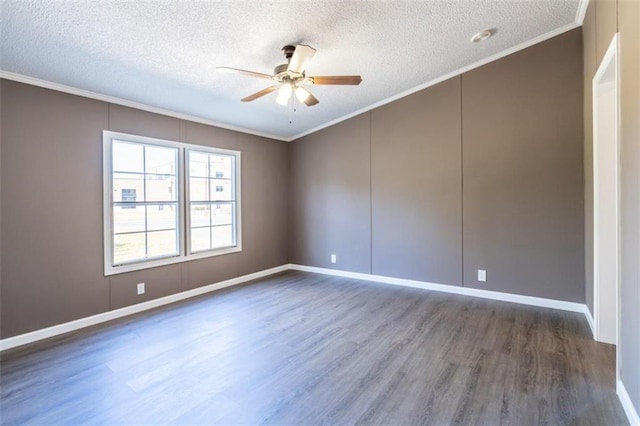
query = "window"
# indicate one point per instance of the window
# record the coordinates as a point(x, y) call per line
point(212, 200)
point(167, 202)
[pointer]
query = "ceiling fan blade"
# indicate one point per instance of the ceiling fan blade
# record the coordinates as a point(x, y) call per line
point(301, 57)
point(352, 80)
point(305, 96)
point(260, 94)
point(243, 72)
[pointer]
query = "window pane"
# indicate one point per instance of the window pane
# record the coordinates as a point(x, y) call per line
point(222, 236)
point(220, 190)
point(199, 189)
point(128, 247)
point(200, 239)
point(128, 219)
point(127, 157)
point(162, 243)
point(161, 188)
point(198, 164)
point(128, 187)
point(161, 216)
point(222, 214)
point(160, 160)
point(220, 166)
point(200, 215)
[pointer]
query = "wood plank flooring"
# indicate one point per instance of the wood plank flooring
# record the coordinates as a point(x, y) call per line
point(302, 348)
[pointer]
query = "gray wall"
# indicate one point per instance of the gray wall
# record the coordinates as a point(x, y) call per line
point(483, 171)
point(523, 175)
point(51, 198)
point(589, 67)
point(51, 190)
point(331, 200)
point(629, 28)
point(416, 186)
point(602, 21)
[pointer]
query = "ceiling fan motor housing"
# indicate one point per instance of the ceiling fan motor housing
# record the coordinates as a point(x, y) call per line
point(282, 74)
point(282, 68)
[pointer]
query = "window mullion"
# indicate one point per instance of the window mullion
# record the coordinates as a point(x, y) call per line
point(144, 194)
point(184, 198)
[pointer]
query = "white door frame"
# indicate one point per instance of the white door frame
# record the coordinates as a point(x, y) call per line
point(601, 82)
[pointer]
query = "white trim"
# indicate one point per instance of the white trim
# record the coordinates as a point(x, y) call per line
point(183, 200)
point(131, 104)
point(237, 189)
point(119, 101)
point(582, 11)
point(466, 291)
point(67, 327)
point(611, 57)
point(446, 76)
point(56, 330)
point(589, 317)
point(627, 404)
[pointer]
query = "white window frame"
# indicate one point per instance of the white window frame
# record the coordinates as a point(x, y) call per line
point(182, 185)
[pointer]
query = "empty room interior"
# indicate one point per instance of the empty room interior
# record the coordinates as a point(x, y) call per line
point(296, 213)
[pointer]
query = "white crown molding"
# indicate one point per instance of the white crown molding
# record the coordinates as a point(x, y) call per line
point(444, 288)
point(67, 327)
point(581, 12)
point(119, 101)
point(627, 404)
point(455, 73)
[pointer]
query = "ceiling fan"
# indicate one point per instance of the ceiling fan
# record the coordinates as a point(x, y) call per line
point(291, 77)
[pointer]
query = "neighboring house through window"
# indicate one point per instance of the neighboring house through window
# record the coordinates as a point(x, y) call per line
point(127, 195)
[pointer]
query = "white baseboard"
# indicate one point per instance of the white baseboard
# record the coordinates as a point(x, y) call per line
point(56, 330)
point(485, 294)
point(629, 409)
point(592, 323)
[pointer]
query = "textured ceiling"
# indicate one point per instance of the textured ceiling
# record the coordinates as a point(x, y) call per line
point(164, 53)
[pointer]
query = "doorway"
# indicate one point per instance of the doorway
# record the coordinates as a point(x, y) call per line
point(606, 209)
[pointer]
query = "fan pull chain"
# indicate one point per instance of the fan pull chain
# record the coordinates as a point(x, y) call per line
point(292, 109)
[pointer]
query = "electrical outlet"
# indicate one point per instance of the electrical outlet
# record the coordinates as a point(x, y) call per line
point(482, 275)
point(334, 258)
point(140, 288)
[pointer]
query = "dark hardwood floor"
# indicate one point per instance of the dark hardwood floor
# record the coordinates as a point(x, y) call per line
point(311, 349)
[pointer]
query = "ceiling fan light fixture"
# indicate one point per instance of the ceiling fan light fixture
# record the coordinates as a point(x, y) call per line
point(290, 77)
point(302, 94)
point(284, 94)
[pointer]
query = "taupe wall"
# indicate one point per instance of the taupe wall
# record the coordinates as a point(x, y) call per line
point(522, 172)
point(51, 198)
point(416, 186)
point(51, 208)
point(330, 200)
point(603, 20)
point(589, 67)
point(507, 136)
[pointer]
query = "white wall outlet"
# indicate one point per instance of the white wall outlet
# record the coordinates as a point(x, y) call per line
point(140, 288)
point(334, 258)
point(482, 275)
